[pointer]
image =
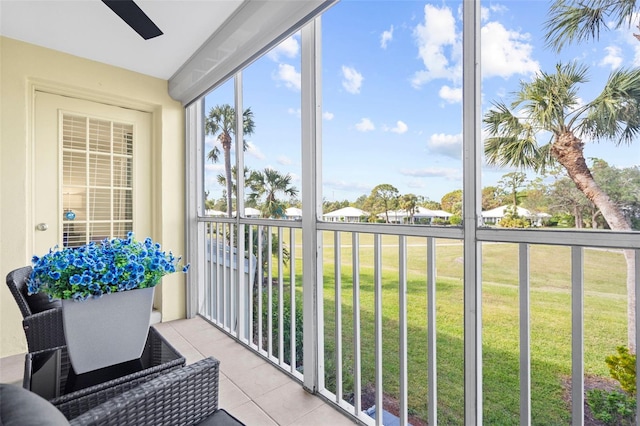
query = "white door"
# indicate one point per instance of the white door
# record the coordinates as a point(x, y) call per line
point(92, 172)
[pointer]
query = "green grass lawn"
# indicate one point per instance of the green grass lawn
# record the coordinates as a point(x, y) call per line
point(550, 294)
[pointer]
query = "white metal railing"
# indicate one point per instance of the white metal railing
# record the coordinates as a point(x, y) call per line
point(272, 329)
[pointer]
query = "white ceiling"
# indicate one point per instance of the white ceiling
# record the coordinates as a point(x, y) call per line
point(89, 29)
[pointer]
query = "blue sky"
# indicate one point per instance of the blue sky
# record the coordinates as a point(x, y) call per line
point(391, 89)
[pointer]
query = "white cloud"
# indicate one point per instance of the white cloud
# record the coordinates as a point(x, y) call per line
point(284, 160)
point(447, 145)
point(289, 47)
point(254, 151)
point(288, 74)
point(352, 79)
point(347, 185)
point(451, 94)
point(400, 128)
point(365, 125)
point(386, 37)
point(448, 173)
point(295, 111)
point(328, 115)
point(506, 52)
point(613, 58)
point(436, 38)
point(213, 167)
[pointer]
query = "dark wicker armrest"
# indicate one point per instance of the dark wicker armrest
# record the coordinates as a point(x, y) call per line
point(184, 396)
point(44, 330)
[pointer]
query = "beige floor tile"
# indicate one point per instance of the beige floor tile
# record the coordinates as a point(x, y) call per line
point(230, 395)
point(288, 403)
point(183, 346)
point(261, 380)
point(12, 369)
point(236, 361)
point(251, 415)
point(188, 326)
point(323, 415)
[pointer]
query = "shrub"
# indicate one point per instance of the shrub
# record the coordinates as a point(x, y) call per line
point(514, 222)
point(455, 220)
point(612, 408)
point(623, 368)
point(439, 221)
point(286, 326)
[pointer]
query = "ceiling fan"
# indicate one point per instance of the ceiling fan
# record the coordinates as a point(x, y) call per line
point(131, 13)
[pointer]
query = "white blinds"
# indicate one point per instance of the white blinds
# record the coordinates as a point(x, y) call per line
point(251, 31)
point(97, 184)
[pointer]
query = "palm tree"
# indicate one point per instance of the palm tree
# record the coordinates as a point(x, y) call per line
point(267, 184)
point(222, 180)
point(221, 121)
point(409, 203)
point(550, 103)
point(581, 20)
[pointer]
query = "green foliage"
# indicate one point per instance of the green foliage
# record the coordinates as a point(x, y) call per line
point(512, 219)
point(612, 408)
point(265, 186)
point(452, 202)
point(455, 219)
point(286, 326)
point(440, 221)
point(623, 368)
point(514, 222)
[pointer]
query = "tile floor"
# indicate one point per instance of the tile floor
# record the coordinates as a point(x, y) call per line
point(250, 388)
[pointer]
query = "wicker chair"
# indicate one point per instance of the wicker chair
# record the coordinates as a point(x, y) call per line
point(42, 320)
point(185, 396)
point(182, 397)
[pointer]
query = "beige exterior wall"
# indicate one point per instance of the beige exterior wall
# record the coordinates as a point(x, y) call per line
point(25, 68)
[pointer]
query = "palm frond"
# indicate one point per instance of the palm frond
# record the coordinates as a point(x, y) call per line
point(570, 22)
point(615, 114)
point(214, 154)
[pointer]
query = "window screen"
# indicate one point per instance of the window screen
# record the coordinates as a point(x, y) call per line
point(97, 179)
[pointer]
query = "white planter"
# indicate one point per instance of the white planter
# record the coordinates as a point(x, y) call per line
point(108, 330)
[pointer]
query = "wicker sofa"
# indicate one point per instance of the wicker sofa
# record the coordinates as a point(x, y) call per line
point(185, 396)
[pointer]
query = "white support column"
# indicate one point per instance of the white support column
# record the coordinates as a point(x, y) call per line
point(194, 190)
point(472, 143)
point(313, 354)
point(242, 304)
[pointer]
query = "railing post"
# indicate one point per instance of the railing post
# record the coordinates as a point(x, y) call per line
point(472, 136)
point(194, 230)
point(313, 353)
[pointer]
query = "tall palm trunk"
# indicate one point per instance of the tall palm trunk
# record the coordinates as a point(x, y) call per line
point(226, 147)
point(568, 149)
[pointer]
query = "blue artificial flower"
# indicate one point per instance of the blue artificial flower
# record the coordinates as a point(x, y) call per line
point(95, 269)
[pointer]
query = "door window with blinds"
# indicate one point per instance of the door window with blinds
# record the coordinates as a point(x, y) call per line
point(97, 184)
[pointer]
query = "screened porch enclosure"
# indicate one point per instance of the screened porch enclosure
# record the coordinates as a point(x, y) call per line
point(464, 324)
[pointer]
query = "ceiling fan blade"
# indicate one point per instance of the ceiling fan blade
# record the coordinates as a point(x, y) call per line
point(135, 17)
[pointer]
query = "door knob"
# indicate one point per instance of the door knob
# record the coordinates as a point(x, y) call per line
point(42, 227)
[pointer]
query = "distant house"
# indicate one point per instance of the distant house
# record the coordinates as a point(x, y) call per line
point(215, 213)
point(493, 216)
point(423, 214)
point(250, 212)
point(426, 214)
point(293, 213)
point(347, 214)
